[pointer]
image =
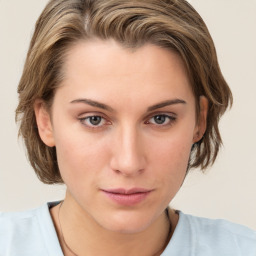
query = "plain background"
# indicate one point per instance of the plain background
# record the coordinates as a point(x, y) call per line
point(227, 190)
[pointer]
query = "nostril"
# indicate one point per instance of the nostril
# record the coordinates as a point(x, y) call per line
point(130, 172)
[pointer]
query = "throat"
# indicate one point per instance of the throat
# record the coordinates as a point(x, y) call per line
point(80, 241)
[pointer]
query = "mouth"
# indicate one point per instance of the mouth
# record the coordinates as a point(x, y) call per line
point(127, 197)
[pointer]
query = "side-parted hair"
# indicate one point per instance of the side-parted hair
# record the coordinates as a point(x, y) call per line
point(171, 24)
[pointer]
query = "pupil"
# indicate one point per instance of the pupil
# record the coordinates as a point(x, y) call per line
point(95, 120)
point(159, 119)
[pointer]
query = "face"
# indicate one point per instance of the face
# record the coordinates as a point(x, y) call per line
point(123, 123)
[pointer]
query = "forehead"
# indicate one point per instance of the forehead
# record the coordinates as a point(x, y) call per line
point(101, 56)
point(105, 67)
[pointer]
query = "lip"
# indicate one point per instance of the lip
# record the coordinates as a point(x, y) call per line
point(127, 197)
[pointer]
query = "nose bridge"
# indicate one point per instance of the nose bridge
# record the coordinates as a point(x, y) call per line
point(128, 156)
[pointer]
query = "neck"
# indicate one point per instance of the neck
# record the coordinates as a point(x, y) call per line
point(83, 235)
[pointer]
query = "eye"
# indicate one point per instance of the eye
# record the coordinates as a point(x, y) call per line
point(93, 121)
point(161, 120)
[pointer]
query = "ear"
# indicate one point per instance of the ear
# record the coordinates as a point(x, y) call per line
point(202, 119)
point(44, 123)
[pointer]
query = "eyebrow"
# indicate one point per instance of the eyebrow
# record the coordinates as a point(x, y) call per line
point(97, 104)
point(93, 103)
point(166, 103)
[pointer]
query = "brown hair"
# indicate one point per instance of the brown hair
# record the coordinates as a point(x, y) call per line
point(172, 24)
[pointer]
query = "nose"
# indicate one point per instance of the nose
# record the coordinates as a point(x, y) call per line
point(128, 157)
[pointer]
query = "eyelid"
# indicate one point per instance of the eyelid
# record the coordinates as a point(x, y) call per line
point(85, 116)
point(172, 117)
point(164, 113)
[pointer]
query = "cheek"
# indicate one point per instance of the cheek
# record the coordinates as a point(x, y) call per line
point(174, 148)
point(80, 157)
point(170, 157)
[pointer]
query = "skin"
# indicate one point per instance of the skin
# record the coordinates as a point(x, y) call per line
point(127, 148)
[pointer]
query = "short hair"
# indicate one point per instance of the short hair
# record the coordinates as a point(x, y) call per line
point(170, 24)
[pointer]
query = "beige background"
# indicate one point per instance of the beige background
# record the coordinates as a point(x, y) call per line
point(227, 190)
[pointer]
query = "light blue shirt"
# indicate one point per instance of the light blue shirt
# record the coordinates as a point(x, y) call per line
point(32, 233)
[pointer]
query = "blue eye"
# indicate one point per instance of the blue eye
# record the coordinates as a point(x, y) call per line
point(162, 119)
point(93, 121)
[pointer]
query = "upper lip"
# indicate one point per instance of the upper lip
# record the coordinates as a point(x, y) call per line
point(127, 191)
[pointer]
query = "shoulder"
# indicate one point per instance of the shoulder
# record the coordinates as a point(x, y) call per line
point(221, 236)
point(13, 223)
point(212, 227)
point(196, 236)
point(30, 232)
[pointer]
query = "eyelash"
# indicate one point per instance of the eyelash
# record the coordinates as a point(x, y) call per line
point(91, 126)
point(171, 121)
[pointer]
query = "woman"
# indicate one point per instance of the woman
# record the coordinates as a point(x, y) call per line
point(118, 100)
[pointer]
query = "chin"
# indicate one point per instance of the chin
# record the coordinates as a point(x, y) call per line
point(127, 223)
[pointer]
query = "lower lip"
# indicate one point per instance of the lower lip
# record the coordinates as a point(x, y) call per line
point(127, 199)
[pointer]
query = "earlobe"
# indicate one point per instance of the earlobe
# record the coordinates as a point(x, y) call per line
point(44, 123)
point(202, 119)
